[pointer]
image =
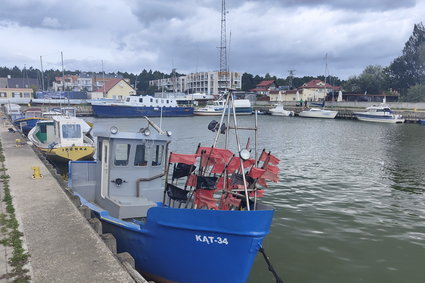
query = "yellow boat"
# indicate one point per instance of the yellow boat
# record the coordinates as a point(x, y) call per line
point(63, 138)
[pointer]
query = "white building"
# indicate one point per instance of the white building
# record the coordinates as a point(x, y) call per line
point(212, 83)
point(83, 81)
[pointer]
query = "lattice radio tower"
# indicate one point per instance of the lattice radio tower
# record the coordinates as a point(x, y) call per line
point(223, 52)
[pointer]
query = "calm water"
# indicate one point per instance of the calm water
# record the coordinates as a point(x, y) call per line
point(350, 203)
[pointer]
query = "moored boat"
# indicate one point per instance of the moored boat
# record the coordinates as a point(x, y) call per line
point(318, 113)
point(242, 107)
point(183, 217)
point(280, 111)
point(28, 120)
point(63, 138)
point(140, 106)
point(381, 113)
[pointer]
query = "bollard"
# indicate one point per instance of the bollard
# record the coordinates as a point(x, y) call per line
point(37, 174)
point(19, 143)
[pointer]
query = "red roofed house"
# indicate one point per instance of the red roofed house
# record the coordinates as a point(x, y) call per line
point(264, 87)
point(316, 90)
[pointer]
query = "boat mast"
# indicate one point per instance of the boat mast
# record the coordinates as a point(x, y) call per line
point(63, 79)
point(103, 74)
point(42, 74)
point(326, 69)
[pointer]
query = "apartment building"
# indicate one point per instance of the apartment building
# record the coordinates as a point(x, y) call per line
point(213, 83)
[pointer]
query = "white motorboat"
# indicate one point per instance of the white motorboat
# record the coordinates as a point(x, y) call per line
point(381, 113)
point(242, 107)
point(318, 113)
point(280, 111)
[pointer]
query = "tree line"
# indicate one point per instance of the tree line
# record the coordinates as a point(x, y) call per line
point(405, 74)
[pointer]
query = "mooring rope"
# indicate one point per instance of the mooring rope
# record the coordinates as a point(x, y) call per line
point(269, 264)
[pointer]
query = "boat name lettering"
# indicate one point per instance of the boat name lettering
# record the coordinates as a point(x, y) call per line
point(211, 240)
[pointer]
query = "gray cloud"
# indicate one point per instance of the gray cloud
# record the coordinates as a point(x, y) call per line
point(359, 5)
point(268, 36)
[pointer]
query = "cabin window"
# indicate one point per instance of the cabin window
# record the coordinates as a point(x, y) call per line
point(167, 101)
point(140, 157)
point(157, 158)
point(128, 99)
point(151, 99)
point(99, 151)
point(122, 153)
point(140, 100)
point(71, 131)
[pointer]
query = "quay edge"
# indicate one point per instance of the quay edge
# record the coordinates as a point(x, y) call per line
point(62, 245)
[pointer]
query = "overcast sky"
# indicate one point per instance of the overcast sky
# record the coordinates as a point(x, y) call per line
point(267, 36)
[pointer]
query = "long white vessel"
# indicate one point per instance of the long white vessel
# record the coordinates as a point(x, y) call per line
point(140, 106)
point(381, 113)
point(318, 113)
point(242, 107)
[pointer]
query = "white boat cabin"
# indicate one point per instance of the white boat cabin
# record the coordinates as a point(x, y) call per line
point(150, 101)
point(127, 178)
point(66, 131)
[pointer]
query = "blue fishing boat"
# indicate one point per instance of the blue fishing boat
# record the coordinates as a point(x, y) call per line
point(140, 106)
point(183, 217)
point(28, 120)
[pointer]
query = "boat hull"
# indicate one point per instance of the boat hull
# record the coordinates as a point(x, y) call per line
point(192, 245)
point(26, 124)
point(123, 111)
point(239, 111)
point(380, 119)
point(68, 153)
point(284, 114)
point(327, 114)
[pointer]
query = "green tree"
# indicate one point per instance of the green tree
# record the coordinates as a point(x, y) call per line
point(247, 81)
point(415, 93)
point(409, 69)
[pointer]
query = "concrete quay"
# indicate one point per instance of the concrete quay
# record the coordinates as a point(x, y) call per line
point(63, 247)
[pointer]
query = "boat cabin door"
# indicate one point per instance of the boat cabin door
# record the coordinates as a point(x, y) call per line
point(104, 185)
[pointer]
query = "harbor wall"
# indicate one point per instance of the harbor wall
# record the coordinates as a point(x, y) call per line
point(418, 106)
